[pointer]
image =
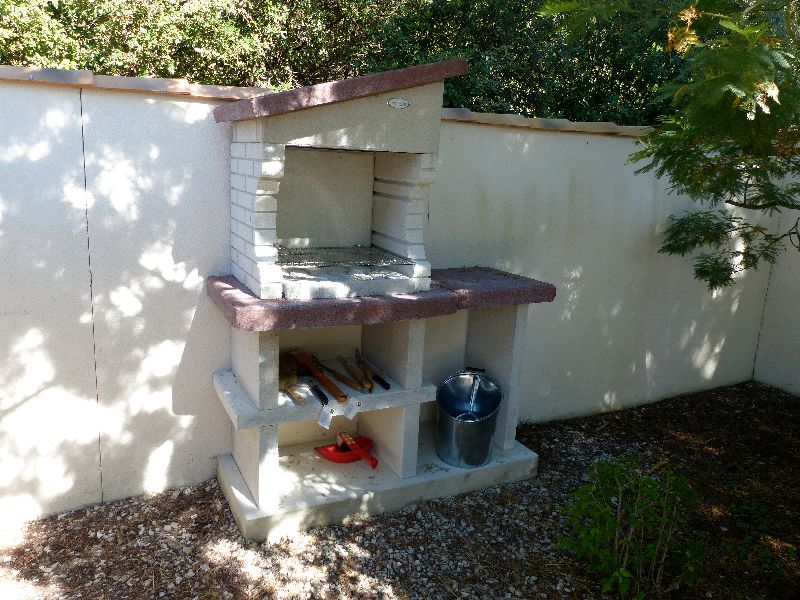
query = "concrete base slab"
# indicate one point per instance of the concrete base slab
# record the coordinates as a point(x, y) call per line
point(311, 491)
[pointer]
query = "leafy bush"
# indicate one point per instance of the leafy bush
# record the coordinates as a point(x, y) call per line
point(519, 61)
point(752, 530)
point(630, 526)
point(524, 63)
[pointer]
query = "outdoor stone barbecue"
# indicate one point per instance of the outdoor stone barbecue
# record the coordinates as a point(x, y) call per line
point(329, 203)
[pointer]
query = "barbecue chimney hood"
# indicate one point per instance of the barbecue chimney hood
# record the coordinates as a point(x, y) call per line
point(329, 184)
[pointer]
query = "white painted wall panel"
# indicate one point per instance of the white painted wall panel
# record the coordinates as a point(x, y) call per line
point(49, 459)
point(628, 325)
point(778, 360)
point(158, 176)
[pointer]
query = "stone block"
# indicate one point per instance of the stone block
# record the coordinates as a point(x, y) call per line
point(237, 243)
point(238, 150)
point(396, 430)
point(243, 230)
point(496, 342)
point(238, 213)
point(239, 182)
point(259, 254)
point(265, 237)
point(265, 203)
point(260, 151)
point(397, 350)
point(247, 131)
point(402, 190)
point(269, 168)
point(270, 290)
point(264, 220)
point(420, 268)
point(268, 272)
point(399, 247)
point(266, 251)
point(238, 272)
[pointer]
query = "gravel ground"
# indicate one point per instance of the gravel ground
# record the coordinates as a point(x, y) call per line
point(495, 543)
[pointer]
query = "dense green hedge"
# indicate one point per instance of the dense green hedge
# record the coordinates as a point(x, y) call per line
point(519, 61)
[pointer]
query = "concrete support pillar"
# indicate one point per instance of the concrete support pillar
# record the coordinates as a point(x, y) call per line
point(396, 435)
point(254, 358)
point(397, 349)
point(256, 454)
point(496, 342)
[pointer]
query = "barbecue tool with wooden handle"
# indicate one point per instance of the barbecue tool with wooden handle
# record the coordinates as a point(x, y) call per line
point(340, 377)
point(287, 378)
point(325, 417)
point(306, 361)
point(356, 373)
point(370, 372)
point(362, 364)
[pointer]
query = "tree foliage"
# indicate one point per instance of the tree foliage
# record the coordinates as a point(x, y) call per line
point(523, 63)
point(519, 61)
point(233, 42)
point(733, 138)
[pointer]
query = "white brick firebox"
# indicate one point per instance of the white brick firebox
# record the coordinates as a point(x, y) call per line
point(308, 222)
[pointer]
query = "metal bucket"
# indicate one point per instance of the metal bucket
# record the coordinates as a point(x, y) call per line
point(468, 404)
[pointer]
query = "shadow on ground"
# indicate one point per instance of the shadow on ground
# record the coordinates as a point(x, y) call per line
point(739, 447)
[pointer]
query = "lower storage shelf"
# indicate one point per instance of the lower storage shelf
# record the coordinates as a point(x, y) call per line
point(287, 410)
point(244, 414)
point(311, 491)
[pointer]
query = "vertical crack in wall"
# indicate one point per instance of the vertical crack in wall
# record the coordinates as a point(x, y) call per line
point(763, 314)
point(91, 291)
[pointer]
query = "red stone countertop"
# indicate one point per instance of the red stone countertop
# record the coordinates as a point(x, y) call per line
point(451, 290)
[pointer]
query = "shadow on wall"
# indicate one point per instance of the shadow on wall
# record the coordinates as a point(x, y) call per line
point(628, 324)
point(157, 204)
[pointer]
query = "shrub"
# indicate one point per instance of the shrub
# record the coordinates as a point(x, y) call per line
point(629, 525)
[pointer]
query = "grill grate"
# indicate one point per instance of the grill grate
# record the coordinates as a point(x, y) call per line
point(351, 256)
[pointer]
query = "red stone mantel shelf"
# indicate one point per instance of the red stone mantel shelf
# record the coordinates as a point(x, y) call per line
point(451, 290)
point(332, 92)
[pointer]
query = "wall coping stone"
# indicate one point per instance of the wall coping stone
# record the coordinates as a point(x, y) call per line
point(333, 92)
point(151, 85)
point(230, 94)
point(464, 115)
point(451, 290)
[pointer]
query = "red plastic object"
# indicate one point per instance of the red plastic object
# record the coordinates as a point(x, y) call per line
point(362, 452)
point(343, 454)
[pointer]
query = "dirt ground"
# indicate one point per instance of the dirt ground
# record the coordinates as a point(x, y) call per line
point(740, 449)
point(738, 446)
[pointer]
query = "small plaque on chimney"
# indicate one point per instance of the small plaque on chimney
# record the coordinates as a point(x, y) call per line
point(398, 103)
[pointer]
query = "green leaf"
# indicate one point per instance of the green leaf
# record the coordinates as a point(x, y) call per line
point(557, 8)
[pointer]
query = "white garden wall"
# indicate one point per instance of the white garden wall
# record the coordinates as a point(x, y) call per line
point(778, 360)
point(156, 197)
point(628, 325)
point(108, 341)
point(158, 188)
point(49, 419)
